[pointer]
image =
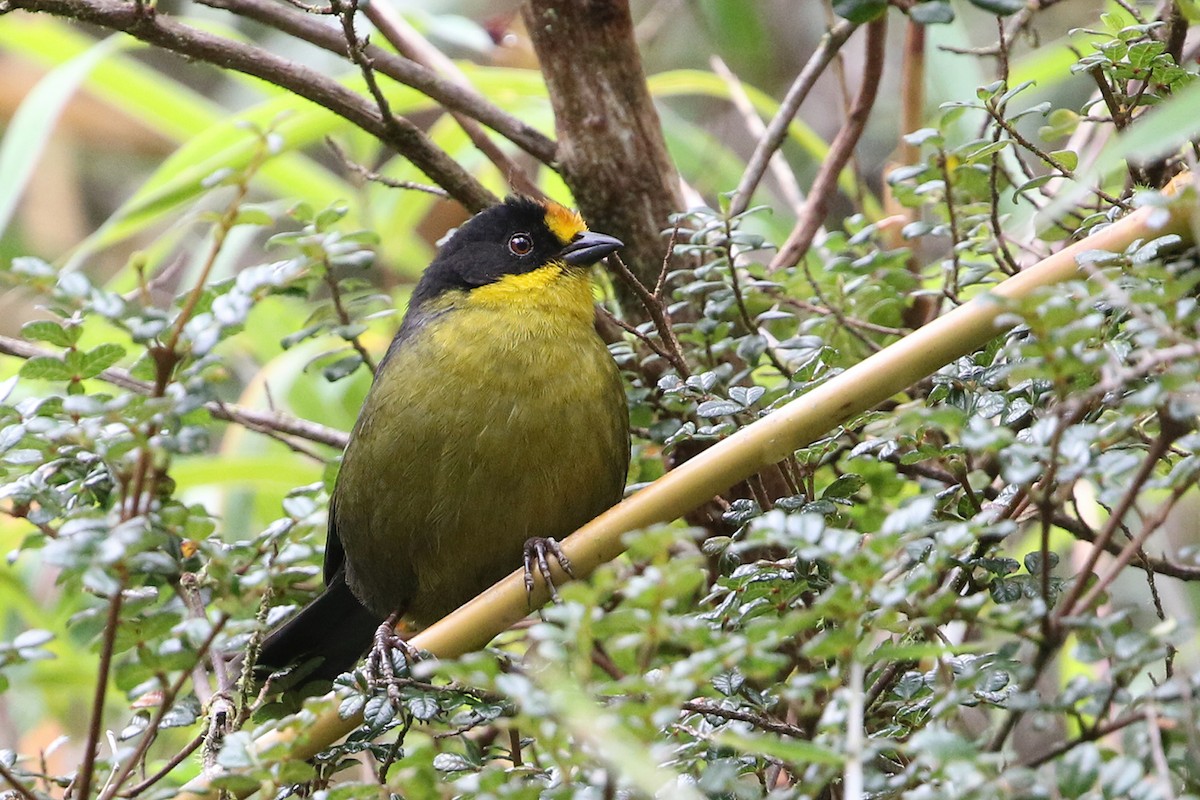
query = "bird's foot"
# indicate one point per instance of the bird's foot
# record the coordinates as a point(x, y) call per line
point(381, 666)
point(537, 555)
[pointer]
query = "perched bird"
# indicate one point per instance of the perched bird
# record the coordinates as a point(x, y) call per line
point(496, 417)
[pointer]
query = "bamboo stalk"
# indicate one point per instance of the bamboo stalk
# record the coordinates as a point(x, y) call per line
point(755, 447)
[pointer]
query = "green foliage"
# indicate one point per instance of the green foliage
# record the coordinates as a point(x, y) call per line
point(950, 596)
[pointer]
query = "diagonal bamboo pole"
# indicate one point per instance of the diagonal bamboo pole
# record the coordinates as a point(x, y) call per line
point(755, 447)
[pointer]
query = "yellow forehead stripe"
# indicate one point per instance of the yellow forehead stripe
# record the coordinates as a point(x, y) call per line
point(563, 222)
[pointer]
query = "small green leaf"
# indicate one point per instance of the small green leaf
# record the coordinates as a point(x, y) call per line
point(452, 762)
point(717, 408)
point(1006, 591)
point(342, 367)
point(46, 368)
point(1068, 158)
point(1060, 123)
point(1078, 771)
point(1000, 7)
point(379, 711)
point(251, 215)
point(791, 751)
point(728, 683)
point(844, 486)
point(937, 12)
point(423, 707)
point(294, 772)
point(44, 330)
point(859, 10)
point(101, 358)
point(1033, 562)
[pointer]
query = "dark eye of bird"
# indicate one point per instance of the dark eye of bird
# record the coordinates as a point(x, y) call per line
point(520, 244)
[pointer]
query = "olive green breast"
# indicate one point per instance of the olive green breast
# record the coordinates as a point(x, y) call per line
point(483, 429)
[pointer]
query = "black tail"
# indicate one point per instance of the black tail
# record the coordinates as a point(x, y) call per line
point(334, 627)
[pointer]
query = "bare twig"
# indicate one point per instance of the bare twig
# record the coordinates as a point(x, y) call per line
point(447, 93)
point(83, 781)
point(783, 175)
point(1134, 546)
point(335, 294)
point(346, 11)
point(831, 42)
point(193, 43)
point(16, 784)
point(173, 762)
point(817, 205)
point(412, 45)
point(645, 339)
point(1005, 259)
point(169, 696)
point(1047, 158)
point(654, 309)
point(950, 288)
point(263, 421)
point(375, 177)
point(1090, 735)
point(1070, 604)
point(757, 720)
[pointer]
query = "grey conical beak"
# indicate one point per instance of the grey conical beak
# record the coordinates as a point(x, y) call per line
point(587, 248)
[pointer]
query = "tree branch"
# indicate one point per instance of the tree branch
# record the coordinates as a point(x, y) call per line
point(453, 96)
point(413, 46)
point(831, 42)
point(169, 34)
point(263, 421)
point(817, 206)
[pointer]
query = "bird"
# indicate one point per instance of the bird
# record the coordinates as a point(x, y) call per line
point(497, 422)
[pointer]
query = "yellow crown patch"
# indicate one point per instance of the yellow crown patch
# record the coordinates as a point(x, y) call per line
point(563, 222)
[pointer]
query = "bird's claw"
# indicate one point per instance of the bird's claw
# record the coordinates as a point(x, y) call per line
point(537, 553)
point(381, 670)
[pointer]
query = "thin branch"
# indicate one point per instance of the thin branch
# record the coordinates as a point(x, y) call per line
point(654, 309)
point(375, 177)
point(950, 289)
point(16, 784)
point(1047, 158)
point(633, 331)
point(346, 12)
point(83, 781)
point(1069, 604)
point(339, 308)
point(839, 153)
point(815, 308)
point(448, 93)
point(1149, 526)
point(263, 421)
point(169, 34)
point(1090, 735)
point(1005, 260)
point(757, 720)
point(278, 422)
point(169, 696)
point(221, 229)
point(173, 762)
point(415, 47)
point(831, 42)
point(789, 188)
